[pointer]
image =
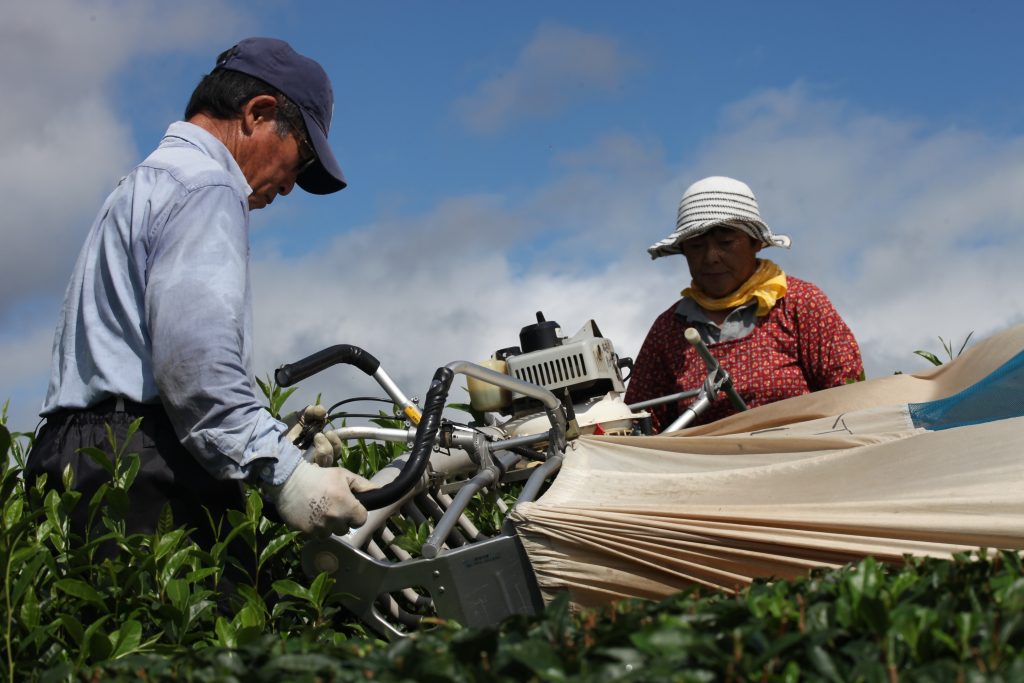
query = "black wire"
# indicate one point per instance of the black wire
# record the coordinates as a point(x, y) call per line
point(360, 398)
point(490, 437)
point(525, 452)
point(375, 416)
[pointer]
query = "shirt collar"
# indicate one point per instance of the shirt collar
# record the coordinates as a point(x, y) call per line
point(209, 145)
point(691, 310)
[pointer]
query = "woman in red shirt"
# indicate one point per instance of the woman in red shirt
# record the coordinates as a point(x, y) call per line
point(776, 335)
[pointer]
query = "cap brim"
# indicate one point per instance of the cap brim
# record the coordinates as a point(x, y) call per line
point(324, 176)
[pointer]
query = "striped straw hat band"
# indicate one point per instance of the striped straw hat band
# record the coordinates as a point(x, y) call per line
point(717, 201)
point(730, 198)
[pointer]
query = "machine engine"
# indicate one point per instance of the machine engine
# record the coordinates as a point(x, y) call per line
point(582, 370)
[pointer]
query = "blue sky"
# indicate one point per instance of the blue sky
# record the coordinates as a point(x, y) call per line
point(510, 157)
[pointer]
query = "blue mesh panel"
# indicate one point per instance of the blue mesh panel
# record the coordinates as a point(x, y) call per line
point(997, 397)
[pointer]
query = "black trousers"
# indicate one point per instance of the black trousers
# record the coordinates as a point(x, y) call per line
point(168, 474)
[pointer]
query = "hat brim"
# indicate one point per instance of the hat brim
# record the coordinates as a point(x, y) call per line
point(673, 244)
point(324, 175)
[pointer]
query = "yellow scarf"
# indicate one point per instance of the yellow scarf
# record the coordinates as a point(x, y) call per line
point(767, 285)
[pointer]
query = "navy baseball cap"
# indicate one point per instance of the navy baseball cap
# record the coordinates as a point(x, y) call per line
point(305, 83)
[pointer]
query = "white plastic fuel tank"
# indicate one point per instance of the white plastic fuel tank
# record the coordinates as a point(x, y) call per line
point(486, 397)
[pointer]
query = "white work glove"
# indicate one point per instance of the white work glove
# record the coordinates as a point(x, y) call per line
point(326, 447)
point(319, 500)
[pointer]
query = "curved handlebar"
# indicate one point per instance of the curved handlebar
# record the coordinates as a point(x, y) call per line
point(426, 432)
point(718, 380)
point(716, 373)
point(429, 423)
point(290, 373)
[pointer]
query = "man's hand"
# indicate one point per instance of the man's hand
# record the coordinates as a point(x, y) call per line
point(325, 450)
point(305, 431)
point(319, 500)
point(302, 424)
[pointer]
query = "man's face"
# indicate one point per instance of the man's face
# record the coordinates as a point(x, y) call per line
point(721, 260)
point(271, 163)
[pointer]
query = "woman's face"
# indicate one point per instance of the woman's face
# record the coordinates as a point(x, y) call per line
point(721, 259)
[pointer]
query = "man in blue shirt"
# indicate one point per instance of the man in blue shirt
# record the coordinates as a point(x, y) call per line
point(157, 318)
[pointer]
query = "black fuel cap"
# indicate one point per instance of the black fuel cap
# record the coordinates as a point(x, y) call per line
point(541, 335)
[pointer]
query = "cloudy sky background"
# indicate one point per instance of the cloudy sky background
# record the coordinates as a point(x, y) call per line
point(509, 158)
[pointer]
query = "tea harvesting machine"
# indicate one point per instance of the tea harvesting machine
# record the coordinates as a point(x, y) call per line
point(420, 557)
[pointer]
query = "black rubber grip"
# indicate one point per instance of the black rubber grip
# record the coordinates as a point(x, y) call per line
point(426, 432)
point(290, 373)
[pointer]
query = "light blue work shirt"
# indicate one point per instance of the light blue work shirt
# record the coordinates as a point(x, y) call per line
point(159, 309)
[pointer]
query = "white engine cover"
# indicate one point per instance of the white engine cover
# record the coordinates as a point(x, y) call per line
point(608, 411)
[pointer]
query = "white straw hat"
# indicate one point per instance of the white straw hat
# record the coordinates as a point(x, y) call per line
point(717, 201)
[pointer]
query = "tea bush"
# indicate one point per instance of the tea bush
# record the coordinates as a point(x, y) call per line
point(157, 610)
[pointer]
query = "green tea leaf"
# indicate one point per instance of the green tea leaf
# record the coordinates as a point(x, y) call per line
point(289, 587)
point(51, 505)
point(126, 639)
point(947, 640)
point(274, 546)
point(178, 592)
point(132, 428)
point(320, 588)
point(67, 477)
point(165, 523)
point(100, 458)
point(225, 632)
point(29, 612)
point(129, 470)
point(168, 542)
point(175, 562)
point(264, 386)
point(12, 511)
point(31, 571)
point(197, 608)
point(200, 575)
point(929, 356)
point(279, 400)
point(73, 627)
point(98, 643)
point(80, 589)
point(249, 616)
point(824, 663)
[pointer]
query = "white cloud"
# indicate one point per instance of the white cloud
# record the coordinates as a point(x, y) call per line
point(416, 314)
point(70, 146)
point(51, 180)
point(557, 68)
point(24, 363)
point(913, 233)
point(53, 46)
point(66, 147)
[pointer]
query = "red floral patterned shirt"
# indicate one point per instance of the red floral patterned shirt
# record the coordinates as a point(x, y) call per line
point(801, 346)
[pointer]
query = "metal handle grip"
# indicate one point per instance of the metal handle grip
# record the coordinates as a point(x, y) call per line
point(289, 374)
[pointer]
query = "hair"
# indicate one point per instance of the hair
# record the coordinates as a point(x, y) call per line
point(222, 93)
